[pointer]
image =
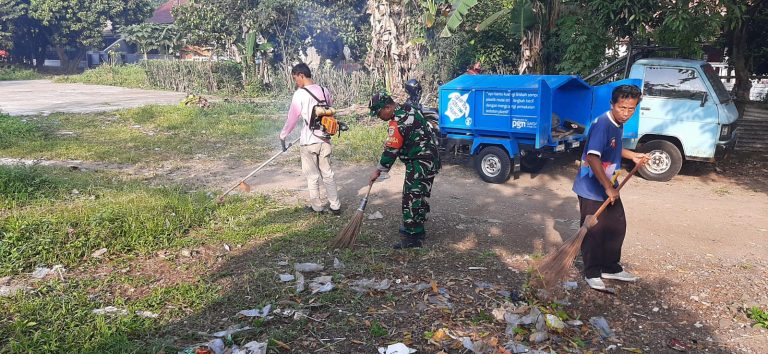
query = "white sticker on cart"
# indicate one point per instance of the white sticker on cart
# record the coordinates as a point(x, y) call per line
point(457, 106)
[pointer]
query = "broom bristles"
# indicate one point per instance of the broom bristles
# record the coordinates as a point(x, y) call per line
point(556, 265)
point(348, 234)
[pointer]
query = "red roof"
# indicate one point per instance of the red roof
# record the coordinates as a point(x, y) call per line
point(163, 13)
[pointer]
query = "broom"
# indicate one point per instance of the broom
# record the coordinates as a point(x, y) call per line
point(348, 234)
point(244, 186)
point(556, 264)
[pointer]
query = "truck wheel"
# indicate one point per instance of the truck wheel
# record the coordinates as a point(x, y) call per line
point(493, 164)
point(665, 161)
point(532, 163)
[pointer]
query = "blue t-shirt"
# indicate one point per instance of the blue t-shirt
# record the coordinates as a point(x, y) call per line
point(604, 140)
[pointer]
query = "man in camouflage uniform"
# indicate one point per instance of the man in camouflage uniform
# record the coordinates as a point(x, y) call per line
point(414, 140)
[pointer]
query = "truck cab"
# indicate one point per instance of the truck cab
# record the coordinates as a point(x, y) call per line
point(685, 114)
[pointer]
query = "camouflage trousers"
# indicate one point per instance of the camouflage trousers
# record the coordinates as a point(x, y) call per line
point(417, 187)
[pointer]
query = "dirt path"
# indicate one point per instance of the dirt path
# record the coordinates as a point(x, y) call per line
point(29, 97)
point(698, 242)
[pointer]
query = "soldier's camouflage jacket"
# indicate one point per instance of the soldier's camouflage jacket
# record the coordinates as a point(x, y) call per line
point(411, 138)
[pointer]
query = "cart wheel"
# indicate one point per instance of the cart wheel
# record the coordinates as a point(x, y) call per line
point(531, 162)
point(665, 161)
point(493, 164)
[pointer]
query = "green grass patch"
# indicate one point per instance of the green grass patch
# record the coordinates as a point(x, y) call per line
point(9, 73)
point(759, 316)
point(363, 142)
point(57, 318)
point(134, 76)
point(65, 228)
point(157, 134)
point(150, 134)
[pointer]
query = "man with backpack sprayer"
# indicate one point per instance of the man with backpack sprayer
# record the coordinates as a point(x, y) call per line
point(315, 142)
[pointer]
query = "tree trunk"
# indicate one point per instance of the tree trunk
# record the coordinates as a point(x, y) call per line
point(742, 85)
point(70, 64)
point(393, 56)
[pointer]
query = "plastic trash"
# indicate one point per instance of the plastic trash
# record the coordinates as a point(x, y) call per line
point(146, 314)
point(375, 215)
point(397, 348)
point(251, 348)
point(99, 253)
point(321, 284)
point(308, 267)
point(42, 272)
point(601, 324)
point(286, 277)
point(538, 337)
point(231, 330)
point(554, 322)
point(299, 282)
point(365, 285)
point(337, 264)
point(570, 285)
point(110, 310)
point(262, 313)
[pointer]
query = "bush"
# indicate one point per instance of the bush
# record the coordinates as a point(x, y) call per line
point(9, 73)
point(195, 76)
point(132, 75)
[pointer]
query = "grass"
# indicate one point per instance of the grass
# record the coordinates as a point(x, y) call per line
point(132, 76)
point(156, 134)
point(759, 316)
point(9, 73)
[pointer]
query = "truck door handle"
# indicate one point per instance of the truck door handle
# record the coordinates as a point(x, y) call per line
point(645, 109)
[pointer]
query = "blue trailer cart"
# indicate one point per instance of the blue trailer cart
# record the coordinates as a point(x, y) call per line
point(513, 122)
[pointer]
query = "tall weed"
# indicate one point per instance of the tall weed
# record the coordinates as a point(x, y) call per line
point(195, 76)
point(132, 75)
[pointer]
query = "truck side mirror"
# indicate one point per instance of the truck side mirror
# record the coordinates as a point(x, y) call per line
point(703, 100)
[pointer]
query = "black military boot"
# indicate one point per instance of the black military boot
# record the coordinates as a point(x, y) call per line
point(421, 235)
point(407, 242)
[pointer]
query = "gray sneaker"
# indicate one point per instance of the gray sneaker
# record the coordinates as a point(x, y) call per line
point(623, 276)
point(595, 283)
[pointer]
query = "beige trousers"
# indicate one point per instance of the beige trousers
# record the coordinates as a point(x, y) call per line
point(316, 165)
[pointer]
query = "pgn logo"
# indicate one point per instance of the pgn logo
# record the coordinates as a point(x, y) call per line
point(518, 124)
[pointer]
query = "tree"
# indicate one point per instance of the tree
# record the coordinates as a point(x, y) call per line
point(72, 26)
point(741, 18)
point(163, 38)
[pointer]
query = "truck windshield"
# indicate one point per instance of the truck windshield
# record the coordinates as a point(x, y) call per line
point(720, 90)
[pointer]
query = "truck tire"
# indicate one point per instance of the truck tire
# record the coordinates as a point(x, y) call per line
point(532, 163)
point(493, 164)
point(665, 161)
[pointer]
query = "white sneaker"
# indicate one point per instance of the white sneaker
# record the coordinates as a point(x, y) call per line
point(595, 283)
point(623, 276)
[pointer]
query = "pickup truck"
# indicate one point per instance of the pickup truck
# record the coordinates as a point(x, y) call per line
point(509, 123)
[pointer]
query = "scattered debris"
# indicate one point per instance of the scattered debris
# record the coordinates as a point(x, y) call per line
point(321, 284)
point(477, 268)
point(299, 282)
point(99, 253)
point(678, 345)
point(570, 285)
point(308, 267)
point(286, 277)
point(251, 348)
point(42, 272)
point(337, 264)
point(227, 248)
point(554, 322)
point(375, 216)
point(110, 310)
point(262, 313)
point(601, 324)
point(365, 285)
point(147, 314)
point(231, 330)
point(397, 348)
point(10, 290)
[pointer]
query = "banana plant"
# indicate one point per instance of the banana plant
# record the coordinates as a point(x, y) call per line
point(459, 9)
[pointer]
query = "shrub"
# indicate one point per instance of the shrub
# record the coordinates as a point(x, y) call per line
point(13, 73)
point(195, 76)
point(132, 75)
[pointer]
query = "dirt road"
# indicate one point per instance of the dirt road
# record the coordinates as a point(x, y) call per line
point(698, 242)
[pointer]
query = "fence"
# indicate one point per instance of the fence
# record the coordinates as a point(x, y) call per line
point(752, 134)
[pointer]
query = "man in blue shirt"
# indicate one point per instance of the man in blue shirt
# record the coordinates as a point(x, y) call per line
point(597, 181)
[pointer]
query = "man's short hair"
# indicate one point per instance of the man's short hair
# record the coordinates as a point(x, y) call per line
point(623, 92)
point(302, 69)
